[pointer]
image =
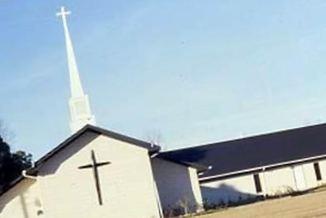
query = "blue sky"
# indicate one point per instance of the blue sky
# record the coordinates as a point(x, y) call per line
point(190, 71)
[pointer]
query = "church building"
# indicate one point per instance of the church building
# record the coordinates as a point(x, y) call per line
point(272, 164)
point(102, 174)
point(97, 173)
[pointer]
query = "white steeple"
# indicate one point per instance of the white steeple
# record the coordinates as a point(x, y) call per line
point(80, 112)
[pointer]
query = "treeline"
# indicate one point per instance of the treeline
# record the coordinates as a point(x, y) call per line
point(11, 164)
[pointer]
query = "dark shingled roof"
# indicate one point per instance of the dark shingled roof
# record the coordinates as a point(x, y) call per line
point(257, 151)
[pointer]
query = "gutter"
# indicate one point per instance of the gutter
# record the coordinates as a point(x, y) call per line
point(25, 175)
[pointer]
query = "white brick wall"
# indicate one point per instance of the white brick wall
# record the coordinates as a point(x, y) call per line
point(66, 191)
point(278, 181)
point(322, 165)
point(21, 201)
point(176, 183)
point(231, 189)
point(127, 183)
point(273, 182)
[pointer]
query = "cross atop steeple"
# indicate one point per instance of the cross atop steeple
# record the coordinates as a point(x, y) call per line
point(63, 13)
point(79, 105)
point(75, 86)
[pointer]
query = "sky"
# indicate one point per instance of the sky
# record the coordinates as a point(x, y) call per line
point(185, 72)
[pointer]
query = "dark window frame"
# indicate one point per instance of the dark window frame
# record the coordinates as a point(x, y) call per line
point(317, 171)
point(257, 183)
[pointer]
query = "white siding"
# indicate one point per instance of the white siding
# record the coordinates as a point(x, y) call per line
point(177, 183)
point(278, 181)
point(22, 201)
point(322, 165)
point(127, 183)
point(231, 189)
point(309, 175)
point(283, 180)
point(65, 191)
point(274, 182)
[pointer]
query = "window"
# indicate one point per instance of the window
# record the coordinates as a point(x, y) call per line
point(317, 171)
point(257, 183)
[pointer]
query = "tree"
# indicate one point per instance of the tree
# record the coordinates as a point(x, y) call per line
point(11, 164)
point(155, 137)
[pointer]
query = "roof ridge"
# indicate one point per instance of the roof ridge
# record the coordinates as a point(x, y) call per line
point(99, 130)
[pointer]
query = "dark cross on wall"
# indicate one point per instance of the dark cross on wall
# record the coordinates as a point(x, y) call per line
point(95, 165)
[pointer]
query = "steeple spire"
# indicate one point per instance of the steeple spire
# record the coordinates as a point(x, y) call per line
point(80, 111)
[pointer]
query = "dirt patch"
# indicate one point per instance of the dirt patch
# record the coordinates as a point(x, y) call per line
point(302, 206)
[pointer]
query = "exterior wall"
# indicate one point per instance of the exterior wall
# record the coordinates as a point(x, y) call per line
point(278, 181)
point(283, 180)
point(273, 182)
point(231, 189)
point(127, 183)
point(310, 175)
point(322, 165)
point(22, 201)
point(177, 184)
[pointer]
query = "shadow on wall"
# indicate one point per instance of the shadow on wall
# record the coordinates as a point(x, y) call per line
point(69, 151)
point(30, 210)
point(176, 193)
point(27, 205)
point(225, 196)
point(21, 188)
point(23, 205)
point(17, 192)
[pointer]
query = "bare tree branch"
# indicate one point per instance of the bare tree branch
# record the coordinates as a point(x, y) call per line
point(155, 137)
point(5, 133)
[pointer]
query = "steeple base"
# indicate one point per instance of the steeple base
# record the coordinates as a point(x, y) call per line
point(80, 113)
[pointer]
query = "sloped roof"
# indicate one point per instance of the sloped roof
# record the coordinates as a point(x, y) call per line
point(253, 152)
point(33, 171)
point(150, 147)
